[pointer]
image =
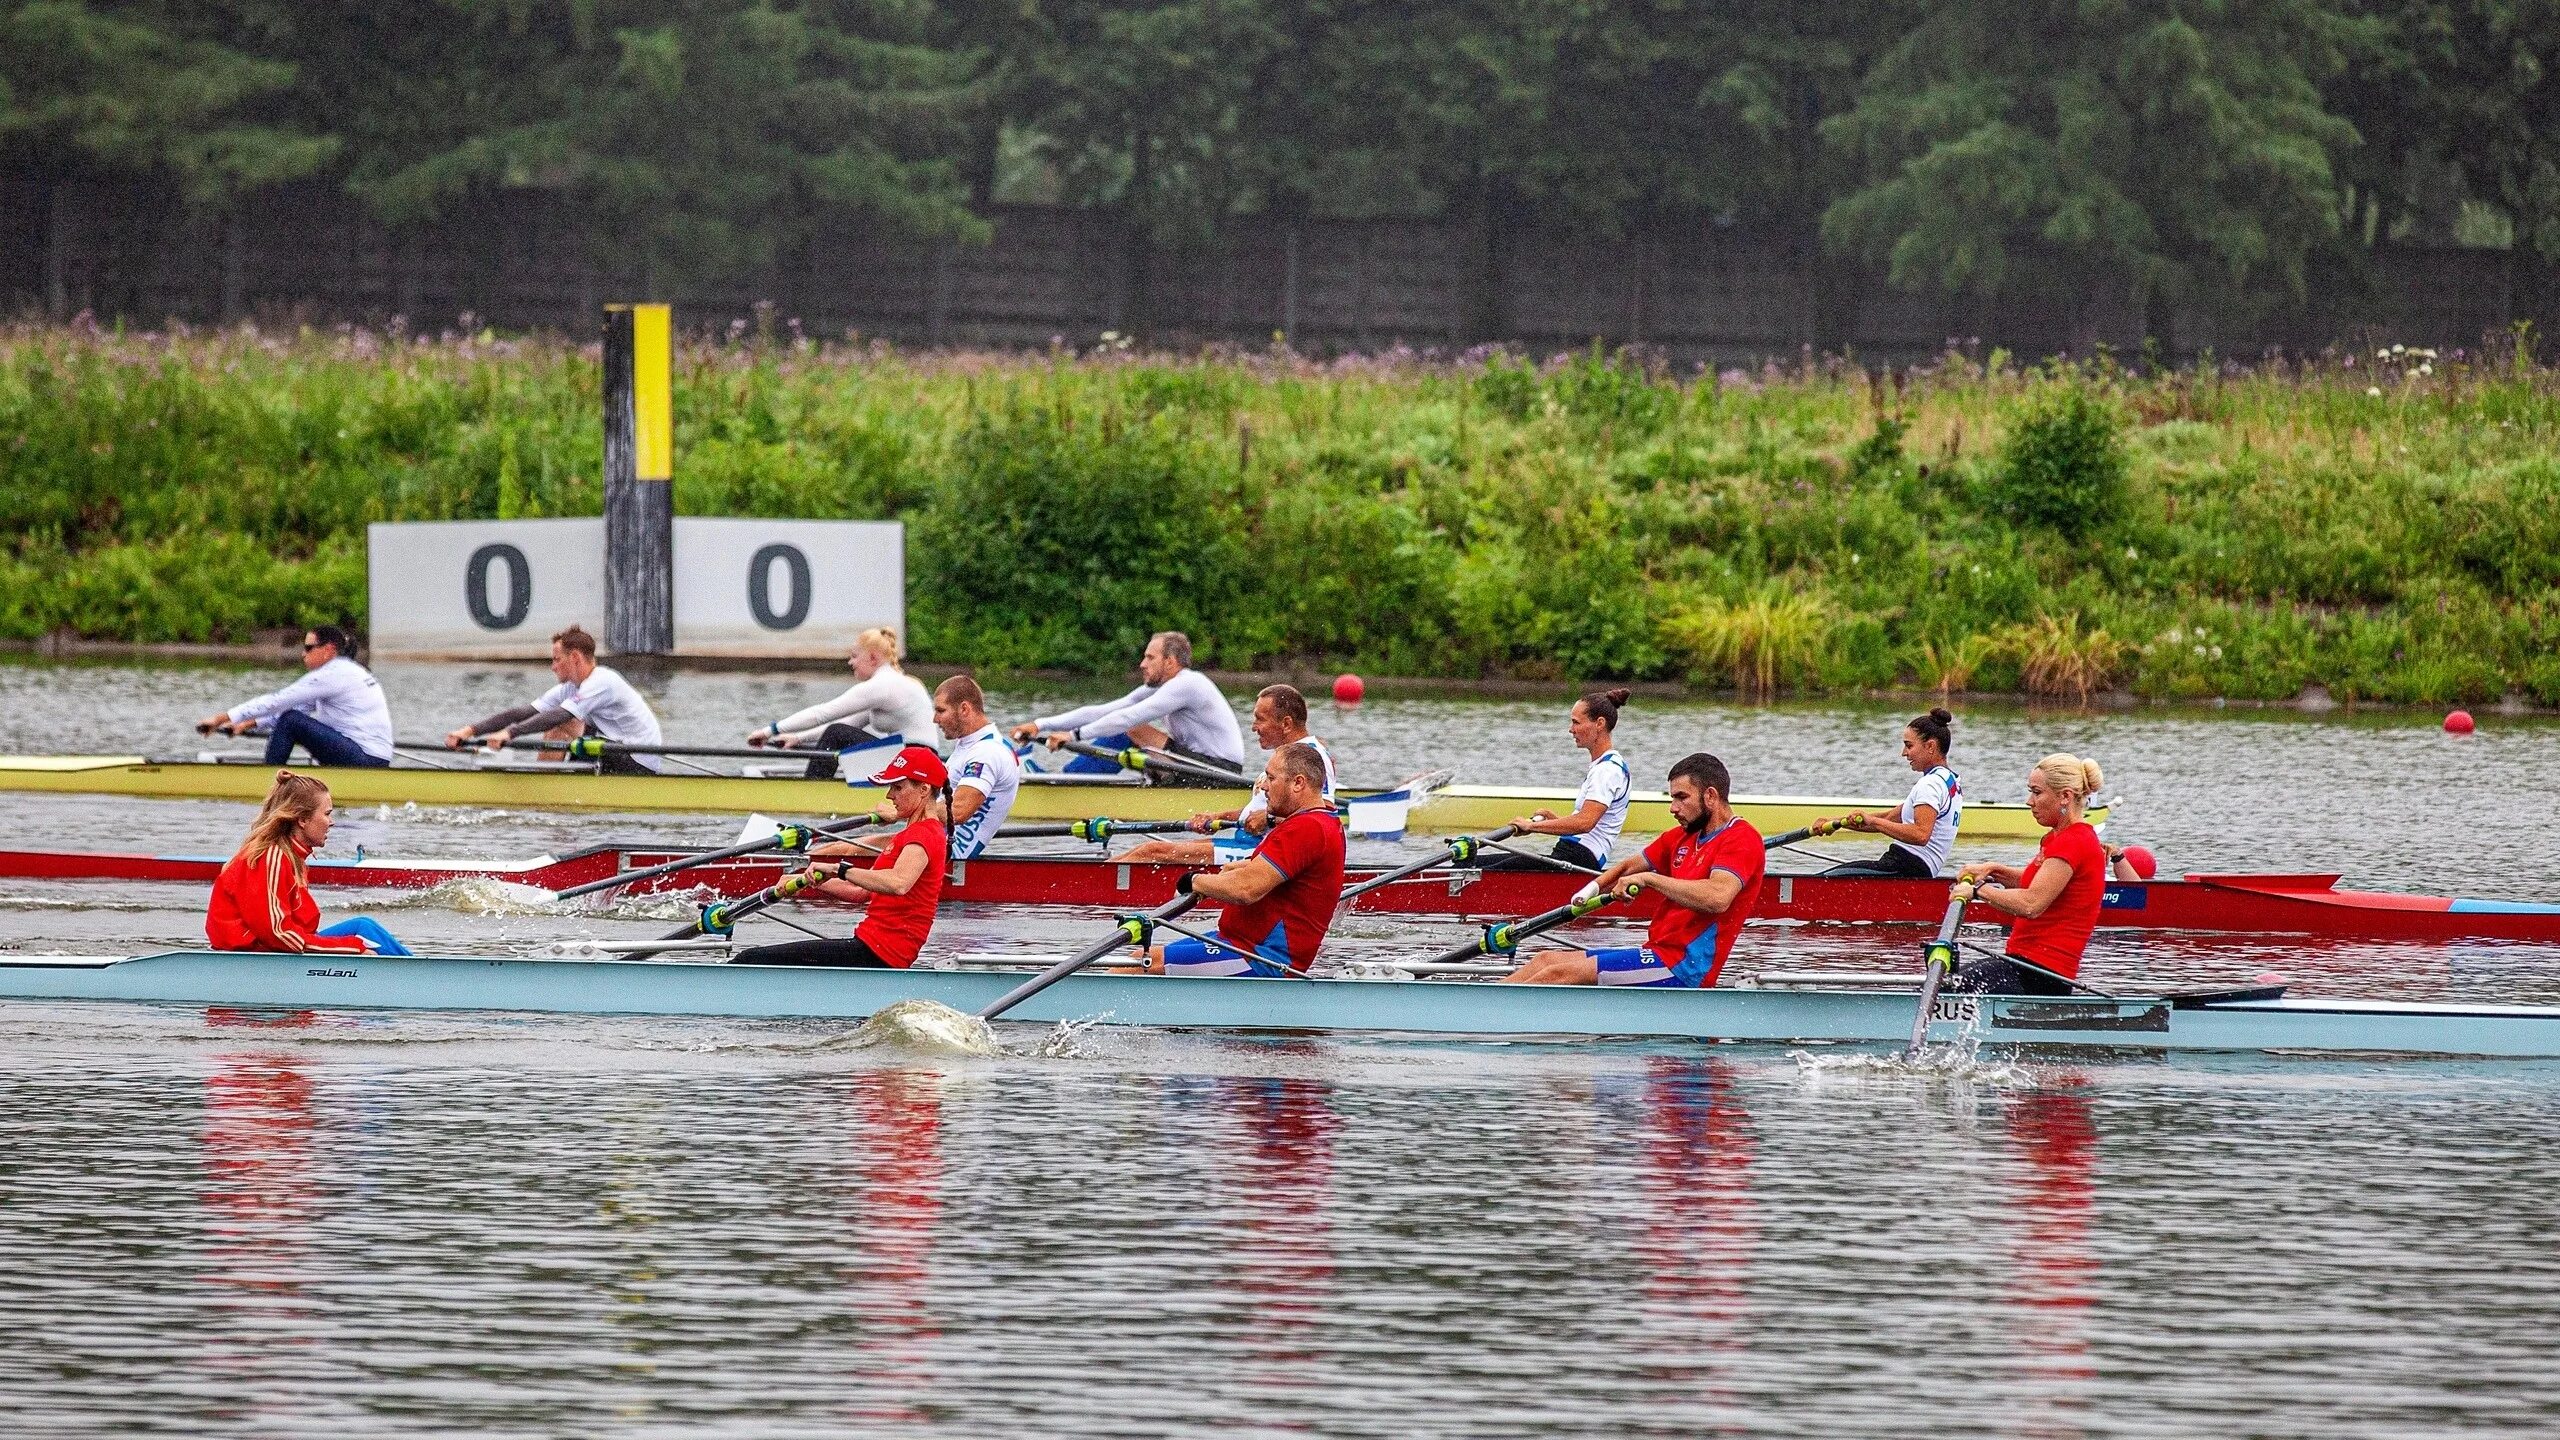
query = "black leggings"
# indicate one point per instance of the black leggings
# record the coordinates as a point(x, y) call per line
point(838, 736)
point(1895, 861)
point(2003, 976)
point(846, 954)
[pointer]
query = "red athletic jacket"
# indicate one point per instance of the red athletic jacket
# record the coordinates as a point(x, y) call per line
point(265, 904)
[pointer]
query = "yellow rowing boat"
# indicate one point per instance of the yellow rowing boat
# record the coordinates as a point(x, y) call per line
point(1444, 808)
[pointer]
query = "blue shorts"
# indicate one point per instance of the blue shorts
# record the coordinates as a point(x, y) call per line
point(1269, 961)
point(1636, 965)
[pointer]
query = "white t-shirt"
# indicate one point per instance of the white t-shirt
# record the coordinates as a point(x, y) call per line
point(1607, 782)
point(1260, 802)
point(891, 704)
point(611, 708)
point(1940, 791)
point(985, 763)
point(1194, 716)
point(342, 695)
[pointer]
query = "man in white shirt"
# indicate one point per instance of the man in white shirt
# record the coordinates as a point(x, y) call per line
point(336, 711)
point(590, 700)
point(1175, 708)
point(1279, 718)
point(985, 774)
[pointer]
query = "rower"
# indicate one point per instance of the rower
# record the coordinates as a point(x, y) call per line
point(1707, 871)
point(1280, 899)
point(885, 703)
point(902, 884)
point(2053, 903)
point(1585, 837)
point(985, 773)
point(1175, 708)
point(1279, 718)
point(336, 711)
point(262, 899)
point(1922, 833)
point(591, 700)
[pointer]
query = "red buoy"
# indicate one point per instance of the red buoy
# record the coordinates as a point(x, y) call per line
point(2144, 863)
point(1348, 688)
point(2458, 723)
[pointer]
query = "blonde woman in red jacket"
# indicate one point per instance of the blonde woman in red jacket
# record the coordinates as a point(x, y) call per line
point(262, 900)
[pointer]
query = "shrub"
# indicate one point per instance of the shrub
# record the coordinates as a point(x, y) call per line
point(1773, 640)
point(2063, 464)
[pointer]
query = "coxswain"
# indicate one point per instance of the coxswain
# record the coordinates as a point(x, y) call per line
point(2052, 904)
point(1175, 708)
point(1585, 837)
point(885, 703)
point(262, 899)
point(1922, 833)
point(336, 712)
point(901, 885)
point(1707, 870)
point(1279, 718)
point(591, 701)
point(1280, 899)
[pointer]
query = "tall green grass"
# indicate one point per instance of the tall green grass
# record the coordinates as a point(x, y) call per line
point(2387, 526)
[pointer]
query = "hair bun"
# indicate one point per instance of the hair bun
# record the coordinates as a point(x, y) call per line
point(284, 775)
point(1939, 714)
point(1620, 696)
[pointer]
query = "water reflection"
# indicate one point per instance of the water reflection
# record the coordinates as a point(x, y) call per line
point(1700, 1228)
point(1284, 1182)
point(897, 1207)
point(259, 1201)
point(2055, 1132)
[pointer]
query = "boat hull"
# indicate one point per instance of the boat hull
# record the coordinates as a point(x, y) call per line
point(1450, 809)
point(2223, 904)
point(1789, 1016)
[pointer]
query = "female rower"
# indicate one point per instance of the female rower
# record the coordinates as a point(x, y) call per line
point(885, 703)
point(262, 899)
point(1585, 837)
point(903, 885)
point(1922, 832)
point(2053, 901)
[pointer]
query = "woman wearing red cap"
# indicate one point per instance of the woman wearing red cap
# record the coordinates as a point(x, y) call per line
point(903, 885)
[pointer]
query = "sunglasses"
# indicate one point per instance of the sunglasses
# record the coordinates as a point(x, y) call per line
point(310, 645)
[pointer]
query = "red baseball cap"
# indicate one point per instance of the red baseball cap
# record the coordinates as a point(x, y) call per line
point(917, 763)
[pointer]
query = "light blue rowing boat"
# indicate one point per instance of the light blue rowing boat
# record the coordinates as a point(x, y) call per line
point(1774, 1012)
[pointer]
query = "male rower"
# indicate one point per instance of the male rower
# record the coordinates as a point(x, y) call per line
point(1707, 871)
point(336, 711)
point(1280, 899)
point(1175, 708)
point(591, 701)
point(1279, 718)
point(984, 772)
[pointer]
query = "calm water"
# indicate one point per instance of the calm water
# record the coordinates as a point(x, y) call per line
point(218, 1223)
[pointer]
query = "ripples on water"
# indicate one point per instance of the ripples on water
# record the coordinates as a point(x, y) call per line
point(260, 1223)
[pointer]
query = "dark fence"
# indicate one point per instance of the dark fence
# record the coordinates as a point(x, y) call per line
point(1700, 291)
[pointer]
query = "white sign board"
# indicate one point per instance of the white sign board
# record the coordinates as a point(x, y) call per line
point(494, 588)
point(786, 587)
point(499, 589)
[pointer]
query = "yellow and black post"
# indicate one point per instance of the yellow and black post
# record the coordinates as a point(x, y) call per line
point(639, 494)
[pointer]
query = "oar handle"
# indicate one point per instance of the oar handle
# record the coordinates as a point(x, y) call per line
point(1457, 852)
point(1939, 961)
point(1139, 761)
point(1504, 937)
point(790, 839)
point(1100, 828)
point(1132, 930)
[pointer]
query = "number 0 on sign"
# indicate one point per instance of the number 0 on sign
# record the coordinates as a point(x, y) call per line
point(795, 585)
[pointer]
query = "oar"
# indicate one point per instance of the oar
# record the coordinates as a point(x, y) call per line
point(1940, 959)
point(787, 838)
point(1505, 938)
point(588, 747)
point(1140, 761)
point(1100, 829)
point(720, 919)
point(1457, 852)
point(1132, 930)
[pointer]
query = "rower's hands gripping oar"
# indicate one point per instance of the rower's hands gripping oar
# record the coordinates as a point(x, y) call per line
point(1132, 930)
point(720, 919)
point(1457, 852)
point(791, 839)
point(1939, 962)
point(1504, 938)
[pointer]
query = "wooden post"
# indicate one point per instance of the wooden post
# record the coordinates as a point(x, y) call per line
point(639, 494)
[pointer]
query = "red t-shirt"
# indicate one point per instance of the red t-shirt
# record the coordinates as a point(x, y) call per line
point(1694, 942)
point(895, 926)
point(2055, 938)
point(265, 904)
point(1307, 850)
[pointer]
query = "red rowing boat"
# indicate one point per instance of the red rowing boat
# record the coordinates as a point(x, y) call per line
point(2232, 904)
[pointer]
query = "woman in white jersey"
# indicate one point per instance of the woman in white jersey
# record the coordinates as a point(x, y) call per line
point(1922, 832)
point(885, 703)
point(1585, 837)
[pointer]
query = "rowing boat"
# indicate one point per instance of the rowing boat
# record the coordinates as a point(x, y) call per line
point(1783, 1013)
point(515, 785)
point(2272, 904)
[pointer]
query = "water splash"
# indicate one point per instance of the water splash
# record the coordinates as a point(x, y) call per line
point(1957, 1062)
point(457, 817)
point(489, 897)
point(926, 1025)
point(1067, 1040)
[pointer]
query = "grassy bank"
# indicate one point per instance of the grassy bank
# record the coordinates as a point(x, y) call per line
point(2388, 527)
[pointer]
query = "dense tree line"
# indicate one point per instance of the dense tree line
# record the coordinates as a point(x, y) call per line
point(2189, 151)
